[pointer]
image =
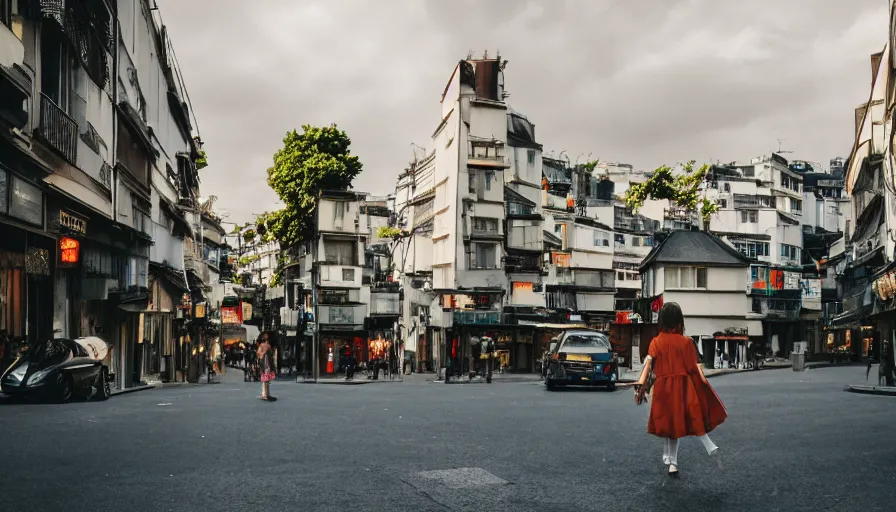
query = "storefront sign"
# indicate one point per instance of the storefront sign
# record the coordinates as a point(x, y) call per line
point(230, 316)
point(27, 202)
point(247, 309)
point(200, 311)
point(72, 222)
point(69, 251)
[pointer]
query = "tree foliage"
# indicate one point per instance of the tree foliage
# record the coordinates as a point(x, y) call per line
point(589, 166)
point(317, 159)
point(202, 161)
point(388, 232)
point(683, 190)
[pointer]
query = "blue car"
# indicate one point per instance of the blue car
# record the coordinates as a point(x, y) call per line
point(582, 357)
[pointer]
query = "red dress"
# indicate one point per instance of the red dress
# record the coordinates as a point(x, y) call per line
point(682, 404)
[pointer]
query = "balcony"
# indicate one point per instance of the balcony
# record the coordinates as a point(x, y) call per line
point(480, 318)
point(753, 201)
point(784, 309)
point(384, 304)
point(487, 154)
point(58, 129)
point(194, 262)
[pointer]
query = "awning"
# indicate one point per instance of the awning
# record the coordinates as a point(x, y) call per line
point(170, 275)
point(176, 216)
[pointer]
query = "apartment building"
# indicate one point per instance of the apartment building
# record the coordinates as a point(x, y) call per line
point(98, 162)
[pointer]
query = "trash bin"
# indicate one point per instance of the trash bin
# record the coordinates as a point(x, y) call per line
point(798, 356)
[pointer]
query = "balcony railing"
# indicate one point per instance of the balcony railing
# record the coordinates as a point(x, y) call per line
point(58, 129)
point(479, 318)
point(486, 153)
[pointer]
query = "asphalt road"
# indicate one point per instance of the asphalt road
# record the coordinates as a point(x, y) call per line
point(792, 442)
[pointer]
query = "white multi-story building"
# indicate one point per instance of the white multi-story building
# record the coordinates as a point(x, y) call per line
point(708, 279)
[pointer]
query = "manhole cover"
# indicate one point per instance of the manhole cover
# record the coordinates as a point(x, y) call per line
point(462, 478)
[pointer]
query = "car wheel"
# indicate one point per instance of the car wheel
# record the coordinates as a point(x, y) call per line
point(65, 387)
point(105, 386)
point(549, 383)
point(611, 386)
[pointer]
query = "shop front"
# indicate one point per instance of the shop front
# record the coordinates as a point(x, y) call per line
point(341, 329)
point(158, 343)
point(514, 348)
point(27, 265)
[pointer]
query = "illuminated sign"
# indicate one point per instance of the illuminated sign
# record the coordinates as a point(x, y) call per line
point(230, 316)
point(69, 250)
point(73, 223)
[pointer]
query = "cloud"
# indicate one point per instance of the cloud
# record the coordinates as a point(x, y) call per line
point(646, 82)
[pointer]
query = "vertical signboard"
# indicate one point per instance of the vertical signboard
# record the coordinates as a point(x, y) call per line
point(811, 295)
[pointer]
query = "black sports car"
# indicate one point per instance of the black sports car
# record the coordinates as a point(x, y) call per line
point(60, 369)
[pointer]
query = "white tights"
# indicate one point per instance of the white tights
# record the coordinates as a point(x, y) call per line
point(670, 449)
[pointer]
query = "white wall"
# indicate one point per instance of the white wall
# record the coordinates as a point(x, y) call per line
point(586, 301)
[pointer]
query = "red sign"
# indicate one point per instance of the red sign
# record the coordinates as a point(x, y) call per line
point(69, 250)
point(231, 316)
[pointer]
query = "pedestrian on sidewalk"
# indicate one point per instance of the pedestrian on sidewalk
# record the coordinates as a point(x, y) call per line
point(266, 367)
point(683, 403)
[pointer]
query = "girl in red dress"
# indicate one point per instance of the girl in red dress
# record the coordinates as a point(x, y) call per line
point(683, 404)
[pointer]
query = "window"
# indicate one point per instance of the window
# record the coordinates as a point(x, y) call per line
point(484, 256)
point(558, 228)
point(485, 224)
point(4, 191)
point(348, 274)
point(726, 187)
point(796, 206)
point(752, 249)
point(789, 182)
point(55, 65)
point(723, 203)
point(749, 216)
point(619, 240)
point(790, 252)
point(339, 209)
point(489, 178)
point(472, 181)
point(342, 252)
point(519, 209)
point(686, 278)
point(758, 273)
point(531, 157)
point(11, 17)
point(141, 221)
point(601, 239)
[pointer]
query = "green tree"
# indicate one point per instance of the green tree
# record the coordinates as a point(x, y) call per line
point(202, 161)
point(683, 190)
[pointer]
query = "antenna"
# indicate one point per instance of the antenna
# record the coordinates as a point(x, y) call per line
point(782, 151)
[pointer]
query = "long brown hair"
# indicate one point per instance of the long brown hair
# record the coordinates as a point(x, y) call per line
point(671, 319)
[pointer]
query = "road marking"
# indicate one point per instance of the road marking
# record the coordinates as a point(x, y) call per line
point(169, 403)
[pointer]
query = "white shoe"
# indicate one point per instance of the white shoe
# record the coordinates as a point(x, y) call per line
point(673, 470)
point(717, 456)
point(667, 461)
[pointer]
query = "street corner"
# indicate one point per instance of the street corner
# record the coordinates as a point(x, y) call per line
point(871, 390)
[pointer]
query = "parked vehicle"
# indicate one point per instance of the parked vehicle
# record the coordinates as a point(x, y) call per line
point(582, 357)
point(60, 369)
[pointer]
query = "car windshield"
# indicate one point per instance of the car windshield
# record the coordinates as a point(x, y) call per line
point(586, 341)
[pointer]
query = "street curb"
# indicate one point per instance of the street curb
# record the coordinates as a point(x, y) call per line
point(348, 382)
point(131, 390)
point(871, 390)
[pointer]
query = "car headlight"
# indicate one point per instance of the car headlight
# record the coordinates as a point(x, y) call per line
point(38, 376)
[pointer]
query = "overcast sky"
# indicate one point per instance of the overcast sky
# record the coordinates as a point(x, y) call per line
point(645, 82)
